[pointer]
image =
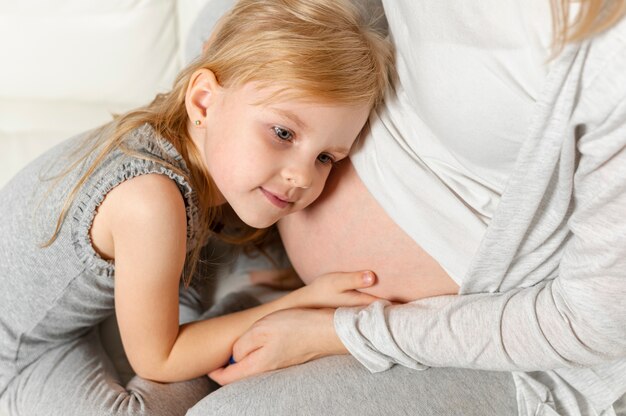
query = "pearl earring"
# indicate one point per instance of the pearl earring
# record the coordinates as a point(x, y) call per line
point(197, 122)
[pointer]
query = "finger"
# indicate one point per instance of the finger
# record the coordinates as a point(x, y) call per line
point(356, 280)
point(363, 299)
point(291, 280)
point(235, 372)
point(246, 345)
point(283, 279)
point(356, 298)
point(265, 277)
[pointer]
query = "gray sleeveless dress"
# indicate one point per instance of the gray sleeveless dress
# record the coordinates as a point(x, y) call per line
point(51, 299)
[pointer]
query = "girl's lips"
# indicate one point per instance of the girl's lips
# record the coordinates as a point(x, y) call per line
point(277, 201)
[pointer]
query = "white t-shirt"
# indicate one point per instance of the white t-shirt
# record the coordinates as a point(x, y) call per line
point(443, 145)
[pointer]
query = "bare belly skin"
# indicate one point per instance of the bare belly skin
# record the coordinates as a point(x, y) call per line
point(347, 230)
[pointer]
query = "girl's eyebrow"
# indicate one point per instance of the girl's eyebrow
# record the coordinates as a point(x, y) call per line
point(343, 152)
point(291, 116)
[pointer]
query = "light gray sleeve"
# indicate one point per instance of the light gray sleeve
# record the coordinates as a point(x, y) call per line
point(577, 319)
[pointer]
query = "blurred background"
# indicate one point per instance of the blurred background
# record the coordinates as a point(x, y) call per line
point(67, 65)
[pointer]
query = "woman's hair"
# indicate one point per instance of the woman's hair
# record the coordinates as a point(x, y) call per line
point(592, 17)
point(320, 50)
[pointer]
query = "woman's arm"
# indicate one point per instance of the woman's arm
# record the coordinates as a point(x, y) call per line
point(578, 318)
point(147, 222)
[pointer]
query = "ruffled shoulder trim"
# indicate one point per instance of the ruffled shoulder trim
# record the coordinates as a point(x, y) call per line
point(118, 167)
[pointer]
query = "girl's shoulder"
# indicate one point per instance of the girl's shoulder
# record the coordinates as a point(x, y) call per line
point(144, 210)
point(147, 197)
point(141, 188)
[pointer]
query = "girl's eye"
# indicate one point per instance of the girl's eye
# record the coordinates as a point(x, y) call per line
point(325, 158)
point(282, 134)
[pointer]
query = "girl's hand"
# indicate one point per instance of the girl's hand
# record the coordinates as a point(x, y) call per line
point(333, 290)
point(280, 340)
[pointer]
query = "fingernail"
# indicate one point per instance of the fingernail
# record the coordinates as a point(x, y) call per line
point(368, 278)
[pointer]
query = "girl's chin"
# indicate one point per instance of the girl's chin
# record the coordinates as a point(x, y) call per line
point(259, 222)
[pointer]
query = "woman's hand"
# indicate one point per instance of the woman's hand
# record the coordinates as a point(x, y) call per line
point(293, 336)
point(282, 339)
point(333, 290)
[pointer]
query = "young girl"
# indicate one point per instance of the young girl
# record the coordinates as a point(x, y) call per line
point(109, 221)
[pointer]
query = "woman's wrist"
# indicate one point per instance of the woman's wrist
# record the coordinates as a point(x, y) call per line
point(328, 342)
point(331, 343)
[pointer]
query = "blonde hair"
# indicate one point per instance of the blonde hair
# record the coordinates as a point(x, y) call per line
point(314, 49)
point(593, 17)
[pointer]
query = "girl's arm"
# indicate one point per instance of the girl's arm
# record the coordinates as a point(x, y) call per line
point(147, 222)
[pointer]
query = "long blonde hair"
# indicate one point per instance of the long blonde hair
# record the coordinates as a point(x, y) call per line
point(592, 18)
point(315, 49)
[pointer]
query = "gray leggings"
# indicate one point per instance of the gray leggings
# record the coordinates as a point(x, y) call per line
point(341, 386)
point(78, 378)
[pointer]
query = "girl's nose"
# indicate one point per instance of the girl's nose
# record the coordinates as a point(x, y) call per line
point(298, 177)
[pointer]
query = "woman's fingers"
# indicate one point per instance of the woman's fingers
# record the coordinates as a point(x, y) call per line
point(249, 342)
point(234, 372)
point(247, 353)
point(244, 354)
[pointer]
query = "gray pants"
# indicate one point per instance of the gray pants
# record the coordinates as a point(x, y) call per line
point(78, 378)
point(341, 386)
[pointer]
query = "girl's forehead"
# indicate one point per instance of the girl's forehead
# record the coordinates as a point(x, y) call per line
point(282, 94)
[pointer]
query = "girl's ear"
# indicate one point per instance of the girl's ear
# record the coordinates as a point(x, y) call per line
point(201, 92)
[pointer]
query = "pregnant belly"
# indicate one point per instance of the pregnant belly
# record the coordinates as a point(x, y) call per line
point(347, 230)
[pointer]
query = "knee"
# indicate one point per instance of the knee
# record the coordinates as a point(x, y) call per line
point(241, 398)
point(284, 392)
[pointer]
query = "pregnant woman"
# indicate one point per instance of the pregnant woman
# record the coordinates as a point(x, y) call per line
point(492, 188)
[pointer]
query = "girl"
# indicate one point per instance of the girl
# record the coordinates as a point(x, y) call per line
point(110, 221)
